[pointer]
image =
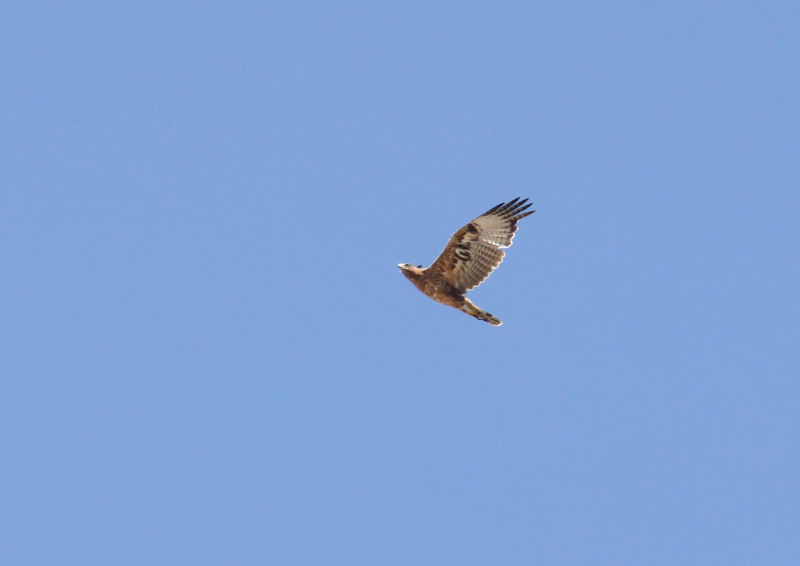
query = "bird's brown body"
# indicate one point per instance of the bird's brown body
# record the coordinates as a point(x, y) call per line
point(435, 287)
point(472, 253)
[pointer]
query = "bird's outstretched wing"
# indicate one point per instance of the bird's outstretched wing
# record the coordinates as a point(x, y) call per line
point(474, 251)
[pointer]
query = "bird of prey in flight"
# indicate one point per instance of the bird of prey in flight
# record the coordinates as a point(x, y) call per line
point(472, 253)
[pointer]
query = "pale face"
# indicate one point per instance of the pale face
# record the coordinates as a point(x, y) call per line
point(410, 271)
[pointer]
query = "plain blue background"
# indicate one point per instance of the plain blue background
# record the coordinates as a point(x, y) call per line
point(209, 355)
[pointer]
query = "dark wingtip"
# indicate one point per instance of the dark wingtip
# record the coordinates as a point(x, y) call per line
point(523, 208)
point(494, 209)
point(511, 209)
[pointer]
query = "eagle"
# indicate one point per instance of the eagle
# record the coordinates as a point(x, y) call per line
point(472, 253)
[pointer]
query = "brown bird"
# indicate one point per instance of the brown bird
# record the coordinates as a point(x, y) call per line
point(469, 257)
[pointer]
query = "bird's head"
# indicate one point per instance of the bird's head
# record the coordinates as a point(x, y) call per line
point(410, 270)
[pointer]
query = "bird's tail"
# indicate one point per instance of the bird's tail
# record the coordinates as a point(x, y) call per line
point(471, 309)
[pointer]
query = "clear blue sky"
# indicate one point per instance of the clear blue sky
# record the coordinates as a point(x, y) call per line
point(210, 357)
